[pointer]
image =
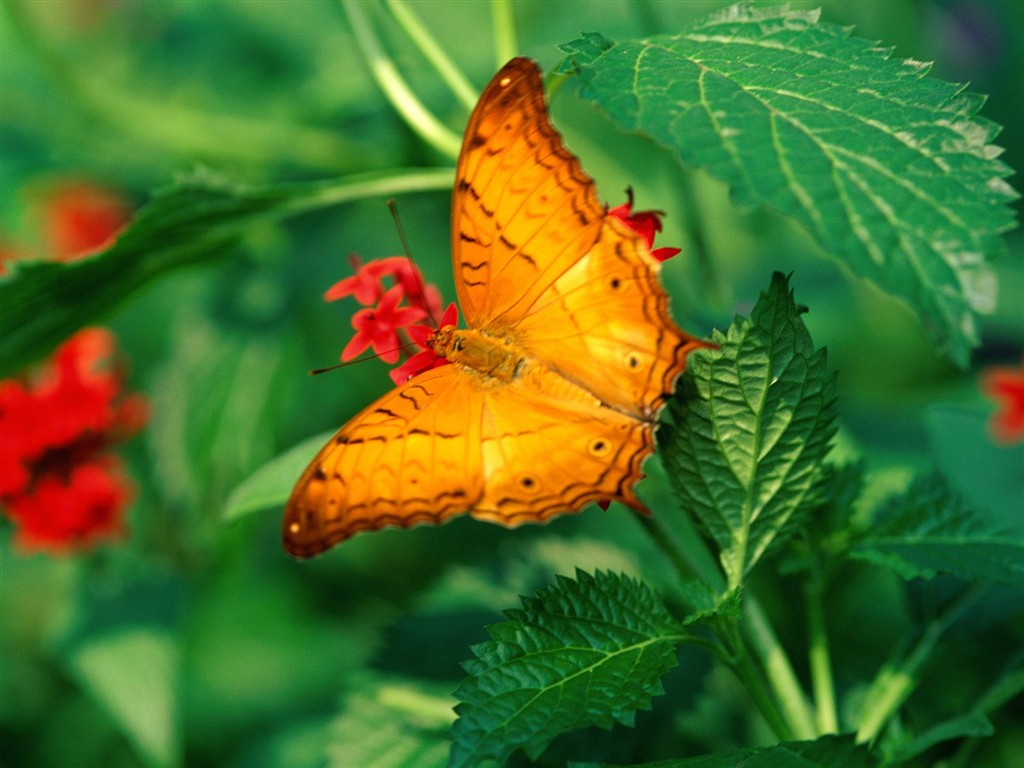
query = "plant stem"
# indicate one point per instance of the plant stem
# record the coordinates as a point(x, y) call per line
point(413, 112)
point(435, 54)
point(505, 44)
point(895, 683)
point(766, 647)
point(819, 656)
point(748, 673)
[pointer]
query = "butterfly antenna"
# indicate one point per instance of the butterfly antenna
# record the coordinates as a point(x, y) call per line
point(421, 287)
point(363, 359)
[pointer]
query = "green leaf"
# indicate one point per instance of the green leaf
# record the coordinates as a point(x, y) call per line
point(588, 651)
point(888, 170)
point(826, 752)
point(927, 530)
point(753, 423)
point(195, 221)
point(270, 485)
point(133, 674)
point(392, 724)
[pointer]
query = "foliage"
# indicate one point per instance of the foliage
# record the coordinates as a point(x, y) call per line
point(833, 563)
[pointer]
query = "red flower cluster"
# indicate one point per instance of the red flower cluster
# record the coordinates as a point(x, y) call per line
point(1005, 385)
point(385, 319)
point(378, 325)
point(58, 481)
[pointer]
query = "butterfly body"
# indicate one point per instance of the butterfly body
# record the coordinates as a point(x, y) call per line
point(550, 397)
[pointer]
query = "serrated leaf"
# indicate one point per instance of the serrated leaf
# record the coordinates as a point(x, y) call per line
point(927, 530)
point(195, 221)
point(753, 423)
point(271, 484)
point(392, 724)
point(889, 170)
point(826, 752)
point(133, 674)
point(589, 651)
point(706, 603)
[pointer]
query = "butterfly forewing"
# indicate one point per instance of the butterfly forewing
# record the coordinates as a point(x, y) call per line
point(523, 211)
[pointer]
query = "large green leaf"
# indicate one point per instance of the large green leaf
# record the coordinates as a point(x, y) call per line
point(589, 651)
point(195, 221)
point(927, 531)
point(889, 170)
point(753, 421)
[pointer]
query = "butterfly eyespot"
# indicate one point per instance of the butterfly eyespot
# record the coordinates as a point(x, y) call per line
point(615, 284)
point(632, 362)
point(294, 528)
point(504, 82)
point(599, 447)
point(528, 483)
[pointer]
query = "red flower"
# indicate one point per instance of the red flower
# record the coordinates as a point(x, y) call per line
point(1005, 385)
point(58, 481)
point(80, 218)
point(378, 327)
point(367, 284)
point(427, 358)
point(645, 223)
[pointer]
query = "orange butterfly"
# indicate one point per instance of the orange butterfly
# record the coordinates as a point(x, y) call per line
point(552, 394)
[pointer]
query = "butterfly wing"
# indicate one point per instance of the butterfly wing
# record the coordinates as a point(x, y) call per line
point(605, 325)
point(550, 447)
point(413, 456)
point(523, 211)
point(538, 261)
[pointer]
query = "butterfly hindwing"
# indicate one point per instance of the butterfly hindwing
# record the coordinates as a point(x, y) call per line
point(412, 456)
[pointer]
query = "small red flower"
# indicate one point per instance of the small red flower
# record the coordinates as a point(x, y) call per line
point(58, 481)
point(645, 223)
point(378, 327)
point(80, 218)
point(1005, 385)
point(368, 287)
point(427, 358)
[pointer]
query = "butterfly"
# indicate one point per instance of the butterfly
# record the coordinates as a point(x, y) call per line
point(551, 395)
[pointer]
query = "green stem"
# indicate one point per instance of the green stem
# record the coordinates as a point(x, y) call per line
point(754, 681)
point(434, 53)
point(895, 683)
point(505, 44)
point(820, 658)
point(413, 112)
point(766, 647)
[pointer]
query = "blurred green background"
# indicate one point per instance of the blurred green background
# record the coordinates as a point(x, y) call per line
point(197, 642)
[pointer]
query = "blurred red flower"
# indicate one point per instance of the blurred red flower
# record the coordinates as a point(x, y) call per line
point(59, 482)
point(79, 218)
point(1005, 385)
